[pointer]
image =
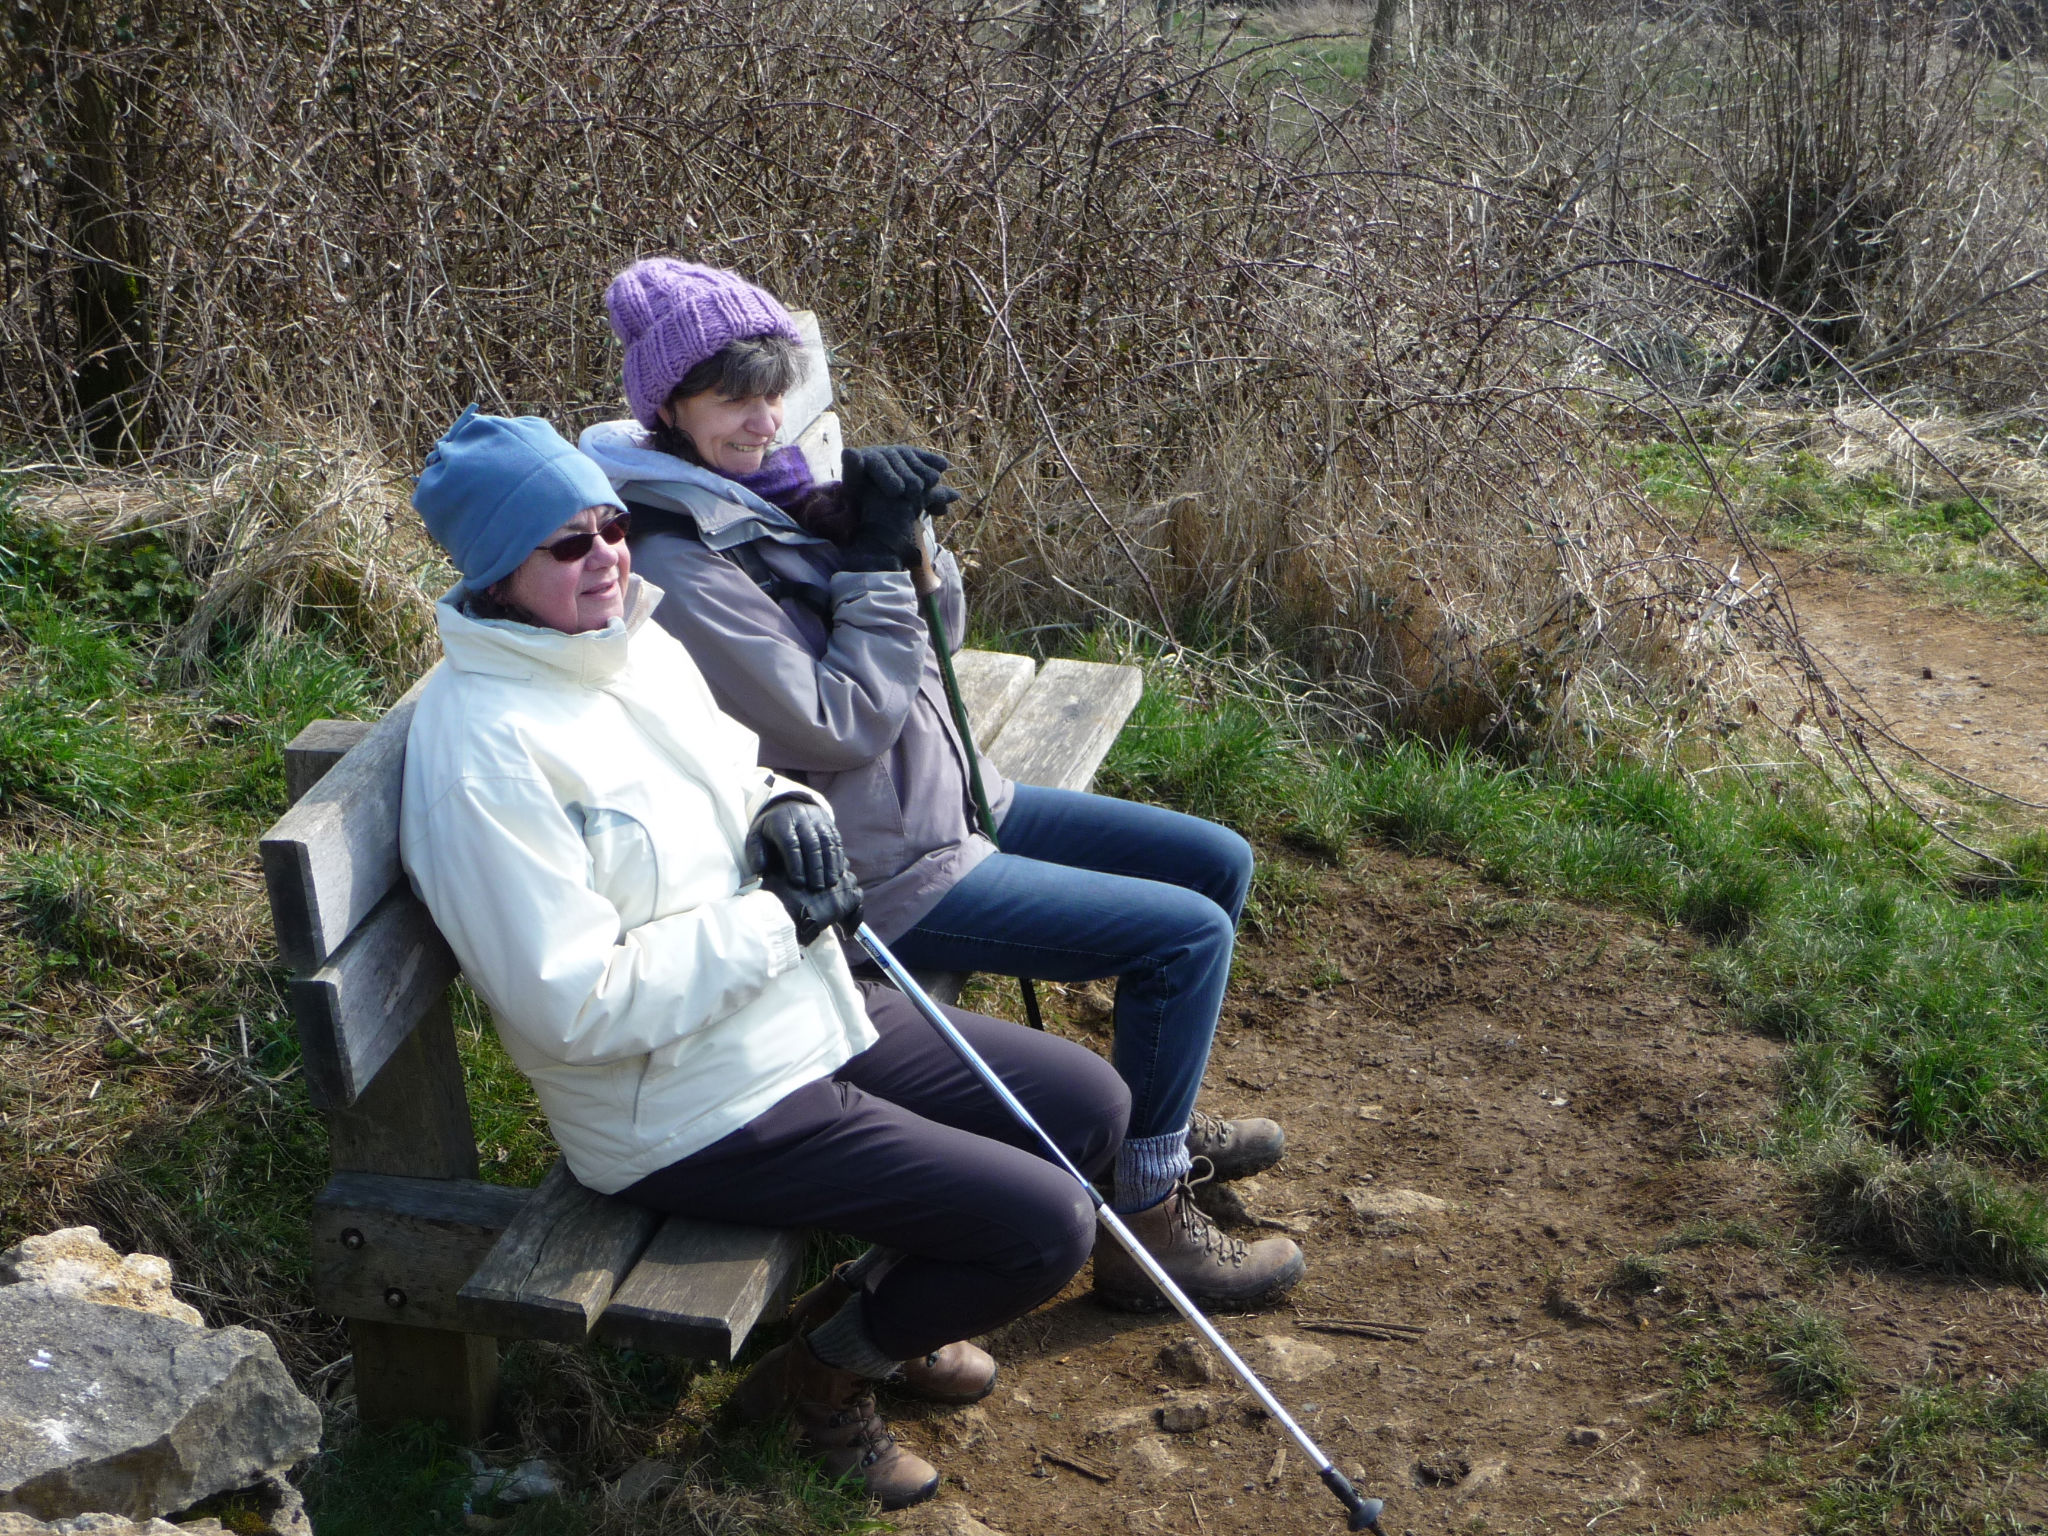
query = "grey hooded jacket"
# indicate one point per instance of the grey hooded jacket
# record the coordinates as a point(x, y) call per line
point(852, 704)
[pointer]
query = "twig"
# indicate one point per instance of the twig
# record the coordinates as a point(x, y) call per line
point(1364, 1327)
point(1076, 1463)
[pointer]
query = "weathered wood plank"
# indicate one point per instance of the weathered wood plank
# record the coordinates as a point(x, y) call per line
point(700, 1287)
point(330, 858)
point(413, 1119)
point(1060, 733)
point(425, 1373)
point(813, 397)
point(992, 684)
point(358, 1008)
point(821, 443)
point(399, 1250)
point(310, 754)
point(554, 1271)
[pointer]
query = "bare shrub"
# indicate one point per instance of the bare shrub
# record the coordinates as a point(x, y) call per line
point(1224, 345)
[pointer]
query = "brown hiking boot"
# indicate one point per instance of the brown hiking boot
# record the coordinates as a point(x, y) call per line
point(1235, 1148)
point(953, 1373)
point(834, 1414)
point(1212, 1267)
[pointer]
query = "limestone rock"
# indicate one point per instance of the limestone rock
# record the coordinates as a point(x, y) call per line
point(1393, 1204)
point(105, 1525)
point(639, 1482)
point(105, 1408)
point(74, 1262)
point(1280, 1358)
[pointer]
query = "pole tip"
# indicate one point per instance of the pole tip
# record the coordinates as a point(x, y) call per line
point(1365, 1515)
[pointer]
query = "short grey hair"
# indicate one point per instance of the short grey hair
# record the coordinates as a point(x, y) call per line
point(753, 365)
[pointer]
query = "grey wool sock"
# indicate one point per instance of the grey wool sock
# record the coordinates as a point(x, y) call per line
point(1148, 1168)
point(843, 1341)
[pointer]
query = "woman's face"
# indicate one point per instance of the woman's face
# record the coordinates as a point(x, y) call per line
point(574, 595)
point(732, 436)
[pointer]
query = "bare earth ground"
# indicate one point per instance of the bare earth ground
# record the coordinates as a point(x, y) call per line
point(1984, 709)
point(1563, 1078)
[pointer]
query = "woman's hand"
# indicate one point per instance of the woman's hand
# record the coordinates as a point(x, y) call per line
point(794, 847)
point(795, 834)
point(889, 489)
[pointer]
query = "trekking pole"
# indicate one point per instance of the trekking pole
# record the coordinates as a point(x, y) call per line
point(937, 626)
point(1364, 1512)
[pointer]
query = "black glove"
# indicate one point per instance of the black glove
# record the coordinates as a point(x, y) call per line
point(794, 847)
point(888, 490)
point(815, 911)
point(795, 834)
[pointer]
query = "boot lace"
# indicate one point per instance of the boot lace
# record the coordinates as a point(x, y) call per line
point(1196, 1223)
point(1213, 1129)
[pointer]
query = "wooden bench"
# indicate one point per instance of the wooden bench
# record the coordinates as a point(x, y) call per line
point(430, 1265)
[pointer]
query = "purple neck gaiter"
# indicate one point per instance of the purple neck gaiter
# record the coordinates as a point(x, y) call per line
point(783, 478)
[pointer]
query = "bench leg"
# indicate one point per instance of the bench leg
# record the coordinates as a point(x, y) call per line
point(414, 1120)
point(424, 1373)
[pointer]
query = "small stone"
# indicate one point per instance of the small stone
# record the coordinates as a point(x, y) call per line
point(1186, 1359)
point(532, 1479)
point(1184, 1418)
point(1154, 1456)
point(1393, 1204)
point(1371, 1112)
point(1585, 1434)
point(641, 1479)
point(1484, 1474)
point(947, 1517)
point(1286, 1359)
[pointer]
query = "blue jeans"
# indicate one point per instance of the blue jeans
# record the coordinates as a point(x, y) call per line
point(1088, 887)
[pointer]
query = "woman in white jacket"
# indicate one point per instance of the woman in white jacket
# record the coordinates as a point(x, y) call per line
point(649, 914)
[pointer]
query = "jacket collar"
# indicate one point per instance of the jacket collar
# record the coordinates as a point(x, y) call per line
point(726, 512)
point(503, 648)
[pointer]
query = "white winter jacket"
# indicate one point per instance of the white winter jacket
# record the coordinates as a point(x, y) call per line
point(575, 815)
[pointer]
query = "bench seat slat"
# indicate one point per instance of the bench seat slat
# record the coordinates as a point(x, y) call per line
point(700, 1287)
point(1064, 727)
point(358, 1008)
point(992, 684)
point(554, 1271)
point(332, 857)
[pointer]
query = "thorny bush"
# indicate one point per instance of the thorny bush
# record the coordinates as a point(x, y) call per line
point(1224, 351)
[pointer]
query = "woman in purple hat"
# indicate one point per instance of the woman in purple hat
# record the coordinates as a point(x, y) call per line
point(799, 601)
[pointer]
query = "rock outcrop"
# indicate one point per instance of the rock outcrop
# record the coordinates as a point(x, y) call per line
point(74, 1262)
point(104, 1408)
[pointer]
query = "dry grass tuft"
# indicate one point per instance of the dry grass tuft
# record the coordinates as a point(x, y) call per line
point(308, 531)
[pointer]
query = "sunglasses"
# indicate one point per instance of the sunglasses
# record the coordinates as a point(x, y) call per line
point(577, 545)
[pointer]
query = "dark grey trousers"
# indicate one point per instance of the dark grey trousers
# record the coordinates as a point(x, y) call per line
point(903, 1147)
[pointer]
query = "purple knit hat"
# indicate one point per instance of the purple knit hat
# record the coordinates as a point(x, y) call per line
point(672, 315)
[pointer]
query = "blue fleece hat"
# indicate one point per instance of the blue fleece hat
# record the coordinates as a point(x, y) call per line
point(495, 486)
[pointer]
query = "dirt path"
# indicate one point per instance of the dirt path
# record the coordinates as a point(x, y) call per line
point(1562, 1079)
point(1970, 694)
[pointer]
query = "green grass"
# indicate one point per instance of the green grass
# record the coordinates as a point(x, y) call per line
point(1913, 990)
point(1796, 500)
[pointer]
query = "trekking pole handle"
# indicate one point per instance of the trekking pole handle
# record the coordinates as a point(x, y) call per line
point(1364, 1513)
